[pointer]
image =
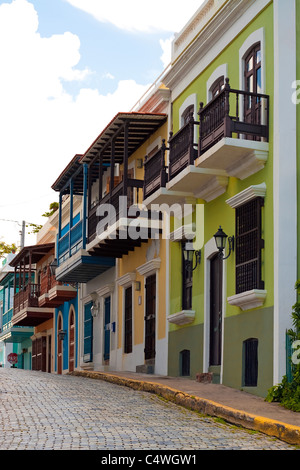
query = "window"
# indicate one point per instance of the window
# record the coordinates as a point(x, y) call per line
point(253, 70)
point(253, 84)
point(250, 362)
point(128, 320)
point(185, 363)
point(187, 281)
point(217, 87)
point(187, 113)
point(249, 245)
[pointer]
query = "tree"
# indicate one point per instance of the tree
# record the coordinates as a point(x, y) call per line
point(5, 248)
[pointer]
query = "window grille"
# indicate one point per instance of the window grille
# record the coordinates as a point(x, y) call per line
point(248, 246)
point(185, 363)
point(250, 347)
point(187, 282)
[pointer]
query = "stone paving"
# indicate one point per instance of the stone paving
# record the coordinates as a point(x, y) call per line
point(40, 411)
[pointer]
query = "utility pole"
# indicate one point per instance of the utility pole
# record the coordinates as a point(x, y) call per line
point(22, 235)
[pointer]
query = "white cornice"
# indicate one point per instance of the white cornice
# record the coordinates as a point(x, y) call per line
point(150, 267)
point(248, 194)
point(127, 279)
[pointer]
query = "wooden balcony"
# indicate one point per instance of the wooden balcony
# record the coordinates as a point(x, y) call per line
point(54, 293)
point(109, 222)
point(75, 264)
point(234, 132)
point(229, 144)
point(27, 311)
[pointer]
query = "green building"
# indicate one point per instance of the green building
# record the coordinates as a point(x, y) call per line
point(232, 163)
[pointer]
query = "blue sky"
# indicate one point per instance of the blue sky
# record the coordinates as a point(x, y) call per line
point(67, 67)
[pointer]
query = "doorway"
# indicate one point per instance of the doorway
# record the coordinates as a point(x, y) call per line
point(216, 278)
point(106, 329)
point(59, 346)
point(150, 315)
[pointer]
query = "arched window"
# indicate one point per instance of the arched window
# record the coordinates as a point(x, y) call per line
point(186, 114)
point(217, 87)
point(253, 70)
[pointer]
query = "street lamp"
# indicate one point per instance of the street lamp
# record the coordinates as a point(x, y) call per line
point(220, 239)
point(188, 253)
point(53, 265)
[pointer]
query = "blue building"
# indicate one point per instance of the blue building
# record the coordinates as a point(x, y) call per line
point(13, 338)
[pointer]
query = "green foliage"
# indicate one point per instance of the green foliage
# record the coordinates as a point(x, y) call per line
point(35, 228)
point(288, 393)
point(52, 208)
point(6, 248)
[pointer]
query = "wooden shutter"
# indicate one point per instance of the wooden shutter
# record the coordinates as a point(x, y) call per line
point(248, 246)
point(88, 333)
point(128, 320)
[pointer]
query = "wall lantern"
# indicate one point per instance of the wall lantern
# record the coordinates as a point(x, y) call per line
point(53, 265)
point(62, 334)
point(188, 253)
point(220, 238)
point(95, 308)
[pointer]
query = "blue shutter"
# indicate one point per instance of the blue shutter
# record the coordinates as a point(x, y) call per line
point(88, 333)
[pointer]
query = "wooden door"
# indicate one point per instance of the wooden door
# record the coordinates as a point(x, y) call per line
point(106, 329)
point(215, 311)
point(59, 347)
point(150, 317)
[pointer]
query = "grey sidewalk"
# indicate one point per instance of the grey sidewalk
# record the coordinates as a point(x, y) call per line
point(235, 406)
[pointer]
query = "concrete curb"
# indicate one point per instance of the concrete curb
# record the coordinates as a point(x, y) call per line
point(285, 432)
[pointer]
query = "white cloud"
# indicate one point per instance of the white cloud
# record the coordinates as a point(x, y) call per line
point(166, 46)
point(137, 15)
point(43, 126)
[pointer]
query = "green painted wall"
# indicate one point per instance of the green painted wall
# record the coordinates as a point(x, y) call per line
point(186, 338)
point(253, 324)
point(218, 212)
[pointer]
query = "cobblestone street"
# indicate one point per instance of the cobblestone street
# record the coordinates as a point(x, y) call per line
point(42, 411)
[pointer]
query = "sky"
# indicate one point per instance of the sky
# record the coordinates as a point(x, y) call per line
point(67, 67)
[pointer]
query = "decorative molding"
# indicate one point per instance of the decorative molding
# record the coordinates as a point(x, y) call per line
point(127, 279)
point(249, 299)
point(249, 193)
point(249, 165)
point(150, 267)
point(182, 318)
point(107, 289)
